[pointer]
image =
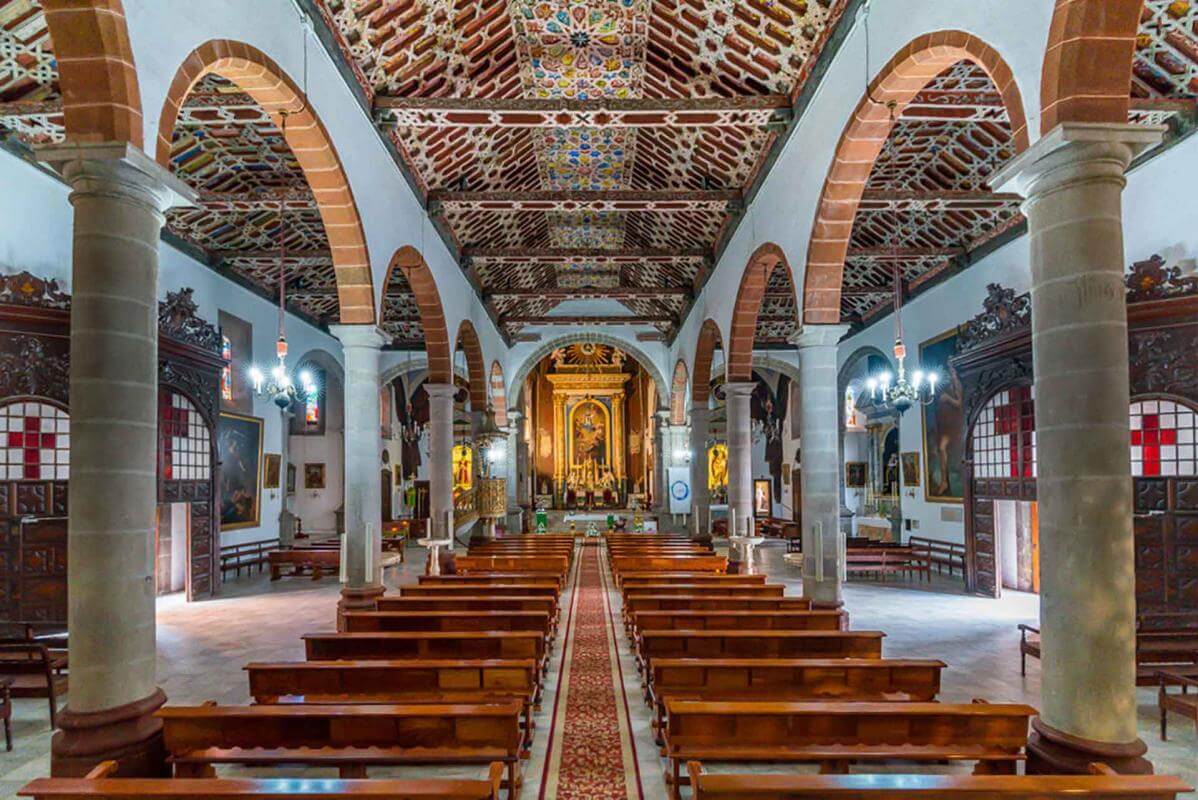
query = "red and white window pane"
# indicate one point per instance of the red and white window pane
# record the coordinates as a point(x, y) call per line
point(1163, 435)
point(37, 442)
point(1004, 436)
point(186, 453)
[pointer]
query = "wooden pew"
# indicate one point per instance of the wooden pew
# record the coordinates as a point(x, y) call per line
point(436, 645)
point(34, 670)
point(468, 589)
point(99, 786)
point(713, 564)
point(1105, 785)
point(495, 579)
point(888, 560)
point(829, 620)
point(630, 580)
point(469, 602)
point(319, 562)
point(791, 680)
point(558, 565)
point(759, 644)
point(635, 602)
point(835, 734)
point(1159, 648)
point(403, 682)
point(350, 737)
point(370, 621)
point(711, 590)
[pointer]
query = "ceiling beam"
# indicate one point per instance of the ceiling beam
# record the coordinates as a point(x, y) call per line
point(266, 198)
point(614, 293)
point(439, 112)
point(569, 253)
point(15, 109)
point(651, 319)
point(900, 253)
point(260, 255)
point(574, 200)
point(936, 201)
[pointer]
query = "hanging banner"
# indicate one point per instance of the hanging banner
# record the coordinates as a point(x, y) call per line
point(679, 481)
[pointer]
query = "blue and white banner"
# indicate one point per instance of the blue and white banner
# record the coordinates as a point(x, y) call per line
point(679, 482)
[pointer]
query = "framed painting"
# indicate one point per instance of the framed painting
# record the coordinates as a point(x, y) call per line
point(943, 424)
point(239, 446)
point(270, 470)
point(762, 505)
point(314, 475)
point(854, 474)
point(291, 479)
point(910, 464)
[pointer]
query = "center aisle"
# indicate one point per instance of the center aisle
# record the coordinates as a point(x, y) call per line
point(591, 751)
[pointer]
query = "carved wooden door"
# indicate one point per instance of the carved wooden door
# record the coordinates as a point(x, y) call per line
point(985, 549)
point(42, 592)
point(385, 489)
point(1166, 543)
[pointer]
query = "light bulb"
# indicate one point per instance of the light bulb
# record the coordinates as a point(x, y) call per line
point(886, 376)
point(917, 377)
point(256, 378)
point(932, 378)
point(277, 372)
point(305, 378)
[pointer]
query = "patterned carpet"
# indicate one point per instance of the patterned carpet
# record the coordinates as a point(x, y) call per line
point(591, 752)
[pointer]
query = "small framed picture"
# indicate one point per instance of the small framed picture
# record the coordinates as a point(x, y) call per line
point(854, 474)
point(314, 476)
point(270, 471)
point(762, 507)
point(786, 473)
point(910, 463)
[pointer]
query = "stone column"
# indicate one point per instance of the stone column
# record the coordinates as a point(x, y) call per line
point(120, 197)
point(440, 460)
point(661, 443)
point(740, 462)
point(361, 345)
point(1073, 181)
point(819, 455)
point(700, 496)
point(512, 469)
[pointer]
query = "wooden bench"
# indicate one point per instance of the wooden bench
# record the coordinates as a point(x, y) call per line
point(1182, 703)
point(942, 554)
point(713, 564)
point(98, 785)
point(350, 738)
point(469, 602)
point(369, 621)
point(635, 602)
point(1105, 785)
point(1173, 652)
point(554, 565)
point(835, 734)
point(887, 560)
point(404, 682)
point(35, 671)
point(711, 590)
point(233, 557)
point(447, 590)
point(426, 646)
point(314, 560)
point(630, 580)
point(791, 680)
point(494, 579)
point(759, 644)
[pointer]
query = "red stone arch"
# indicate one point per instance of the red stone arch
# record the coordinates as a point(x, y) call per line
point(1088, 63)
point(419, 277)
point(753, 280)
point(96, 73)
point(678, 394)
point(475, 366)
point(898, 82)
point(709, 340)
point(498, 394)
point(262, 79)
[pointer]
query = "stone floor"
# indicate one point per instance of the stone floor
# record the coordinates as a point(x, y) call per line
point(203, 646)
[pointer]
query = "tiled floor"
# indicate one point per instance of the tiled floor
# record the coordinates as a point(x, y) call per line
point(203, 646)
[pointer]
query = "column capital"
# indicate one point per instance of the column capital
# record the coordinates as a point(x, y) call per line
point(514, 416)
point(1057, 154)
point(118, 169)
point(369, 336)
point(441, 390)
point(818, 336)
point(739, 388)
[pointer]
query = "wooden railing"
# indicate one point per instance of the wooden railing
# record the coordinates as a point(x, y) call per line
point(247, 554)
point(465, 510)
point(941, 554)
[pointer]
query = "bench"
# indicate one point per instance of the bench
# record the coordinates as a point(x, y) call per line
point(404, 682)
point(98, 785)
point(824, 620)
point(317, 561)
point(631, 580)
point(942, 554)
point(635, 602)
point(759, 645)
point(247, 554)
point(369, 621)
point(1173, 652)
point(836, 734)
point(1181, 703)
point(35, 671)
point(493, 579)
point(424, 646)
point(774, 590)
point(469, 602)
point(790, 680)
point(448, 590)
point(554, 565)
point(350, 737)
point(887, 560)
point(713, 564)
point(1104, 785)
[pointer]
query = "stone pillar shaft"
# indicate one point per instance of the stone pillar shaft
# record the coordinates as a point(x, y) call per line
point(1073, 180)
point(700, 496)
point(820, 461)
point(120, 198)
point(740, 455)
point(440, 460)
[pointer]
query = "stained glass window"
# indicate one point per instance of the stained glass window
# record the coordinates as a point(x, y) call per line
point(184, 438)
point(1163, 434)
point(37, 442)
point(1004, 436)
point(226, 374)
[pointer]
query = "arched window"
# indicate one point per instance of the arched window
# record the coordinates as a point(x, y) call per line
point(226, 373)
point(1163, 434)
point(1004, 436)
point(183, 438)
point(37, 441)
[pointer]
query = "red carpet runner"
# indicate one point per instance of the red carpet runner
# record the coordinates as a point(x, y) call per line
point(591, 755)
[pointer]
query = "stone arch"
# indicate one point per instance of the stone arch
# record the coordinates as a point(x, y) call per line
point(467, 339)
point(641, 357)
point(262, 79)
point(498, 394)
point(895, 85)
point(415, 270)
point(678, 394)
point(96, 72)
point(753, 280)
point(709, 340)
point(1087, 66)
point(777, 365)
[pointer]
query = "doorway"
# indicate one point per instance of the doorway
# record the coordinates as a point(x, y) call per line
point(385, 477)
point(172, 543)
point(1017, 533)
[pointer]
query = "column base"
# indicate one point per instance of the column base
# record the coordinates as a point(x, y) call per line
point(357, 598)
point(1054, 752)
point(129, 734)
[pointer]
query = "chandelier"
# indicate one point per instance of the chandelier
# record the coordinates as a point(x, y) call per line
point(901, 394)
point(769, 428)
point(277, 383)
point(410, 430)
